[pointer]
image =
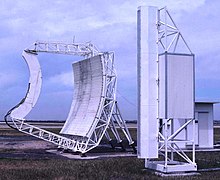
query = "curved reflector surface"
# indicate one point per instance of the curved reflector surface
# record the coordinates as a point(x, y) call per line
point(34, 87)
point(88, 92)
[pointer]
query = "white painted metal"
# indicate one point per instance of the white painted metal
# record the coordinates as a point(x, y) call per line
point(34, 86)
point(175, 82)
point(204, 137)
point(116, 117)
point(107, 111)
point(77, 49)
point(88, 97)
point(170, 39)
point(169, 144)
point(147, 83)
point(203, 133)
point(176, 86)
point(204, 111)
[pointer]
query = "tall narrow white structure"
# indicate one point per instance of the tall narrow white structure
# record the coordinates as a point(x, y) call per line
point(165, 92)
point(147, 83)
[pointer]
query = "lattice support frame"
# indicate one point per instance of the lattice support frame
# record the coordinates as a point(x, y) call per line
point(106, 112)
point(168, 39)
point(169, 36)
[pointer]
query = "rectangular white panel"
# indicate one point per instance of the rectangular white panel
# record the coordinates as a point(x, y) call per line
point(176, 86)
point(205, 126)
point(88, 87)
point(147, 84)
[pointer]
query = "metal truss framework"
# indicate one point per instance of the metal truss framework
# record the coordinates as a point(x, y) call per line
point(77, 49)
point(169, 36)
point(109, 114)
point(174, 157)
point(169, 146)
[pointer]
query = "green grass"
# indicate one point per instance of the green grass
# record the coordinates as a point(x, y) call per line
point(106, 168)
point(112, 168)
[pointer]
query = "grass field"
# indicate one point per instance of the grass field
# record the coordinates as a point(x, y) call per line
point(22, 165)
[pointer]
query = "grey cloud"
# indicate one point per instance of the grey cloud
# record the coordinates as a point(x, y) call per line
point(111, 26)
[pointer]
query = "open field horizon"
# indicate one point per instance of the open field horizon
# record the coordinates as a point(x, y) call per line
point(25, 157)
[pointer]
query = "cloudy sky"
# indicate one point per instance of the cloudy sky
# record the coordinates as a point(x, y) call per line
point(111, 26)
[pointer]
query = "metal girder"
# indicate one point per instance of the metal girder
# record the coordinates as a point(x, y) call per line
point(159, 35)
point(168, 144)
point(169, 39)
point(108, 110)
point(77, 49)
point(169, 36)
